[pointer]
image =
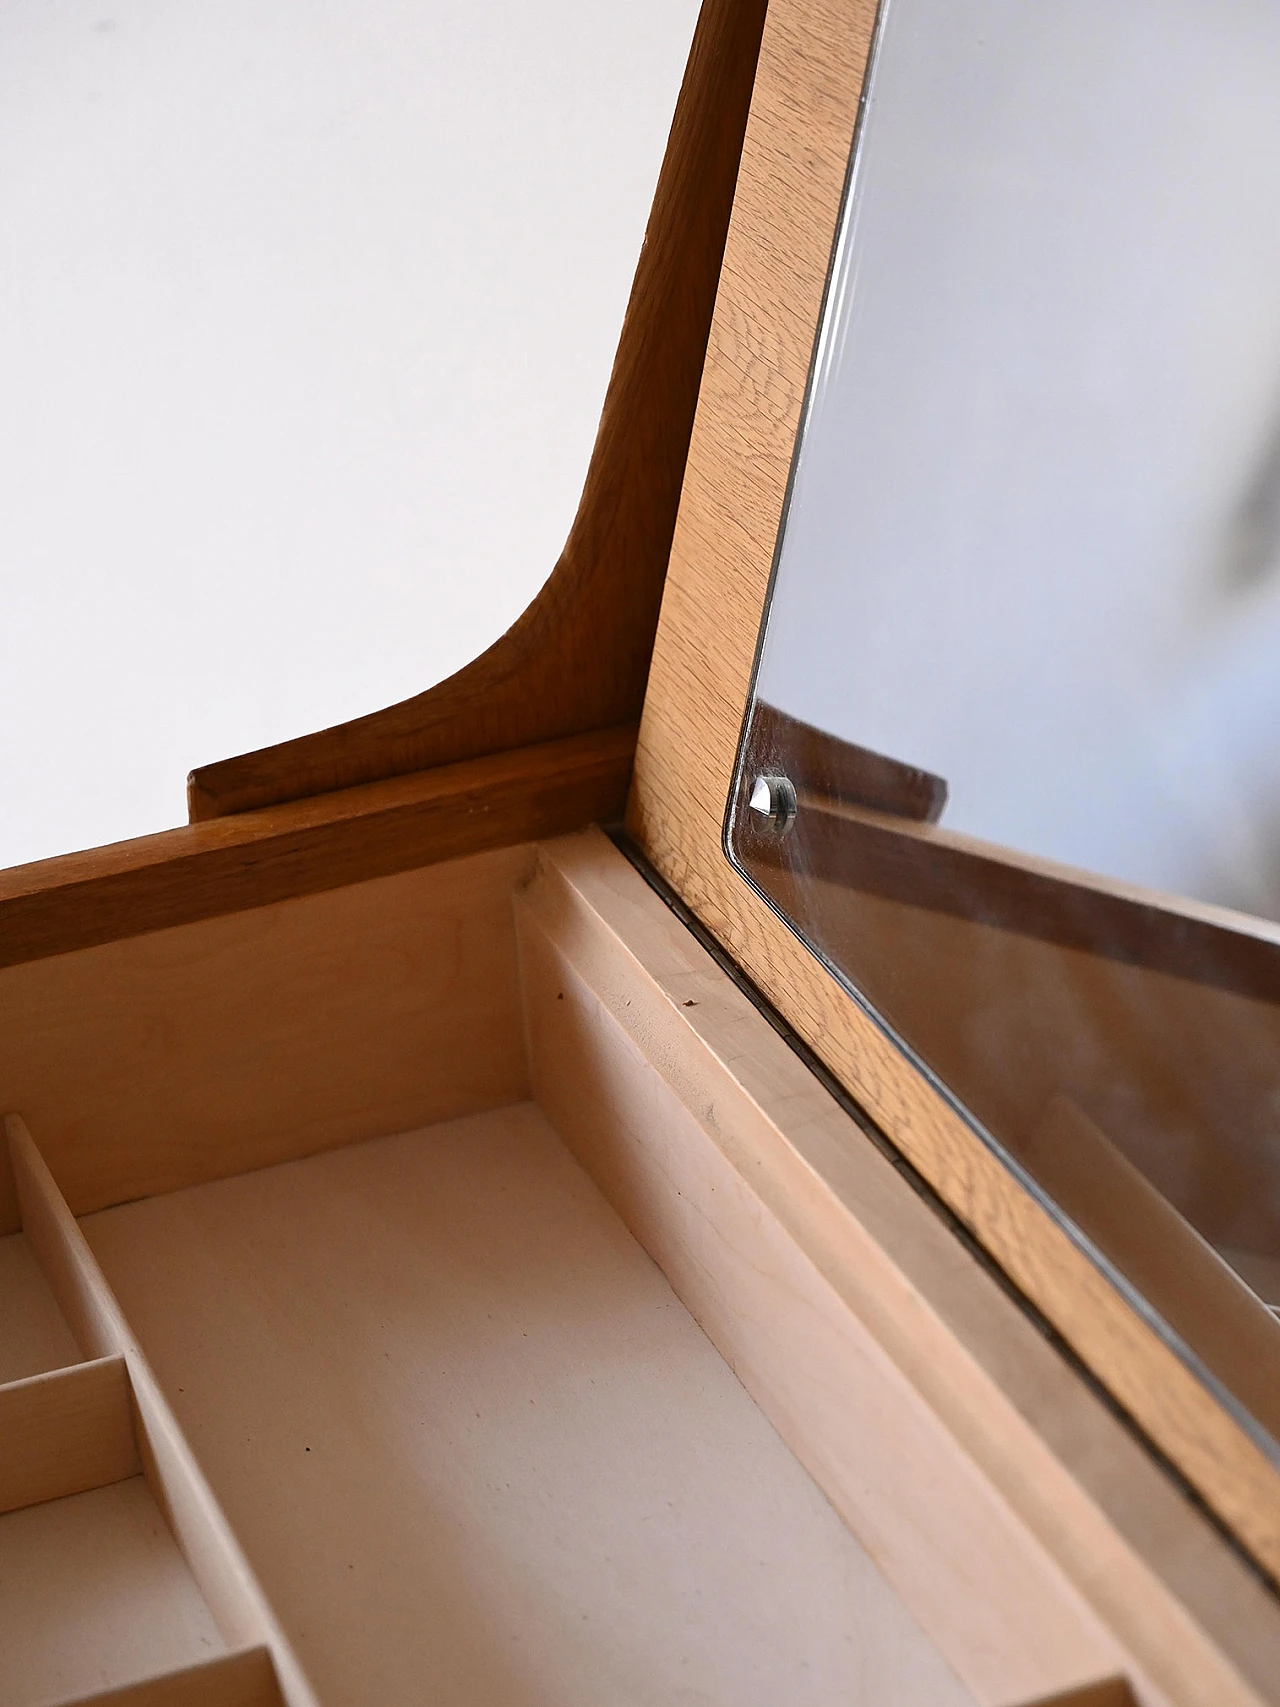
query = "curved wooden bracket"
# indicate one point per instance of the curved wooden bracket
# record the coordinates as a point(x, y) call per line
point(578, 658)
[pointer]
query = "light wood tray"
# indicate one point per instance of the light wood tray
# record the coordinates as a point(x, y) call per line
point(451, 1288)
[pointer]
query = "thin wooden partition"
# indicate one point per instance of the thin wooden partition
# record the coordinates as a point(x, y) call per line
point(102, 1424)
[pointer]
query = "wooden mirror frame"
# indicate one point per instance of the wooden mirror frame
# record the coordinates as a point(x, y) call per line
point(804, 110)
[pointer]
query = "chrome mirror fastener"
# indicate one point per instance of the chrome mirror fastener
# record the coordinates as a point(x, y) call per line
point(773, 800)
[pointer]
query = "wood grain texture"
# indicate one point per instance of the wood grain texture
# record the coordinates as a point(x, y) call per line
point(244, 1679)
point(212, 1048)
point(56, 906)
point(64, 1432)
point(205, 1539)
point(578, 657)
point(602, 1046)
point(652, 1059)
point(795, 154)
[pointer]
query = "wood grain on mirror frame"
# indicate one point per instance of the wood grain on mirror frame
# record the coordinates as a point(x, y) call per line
point(790, 185)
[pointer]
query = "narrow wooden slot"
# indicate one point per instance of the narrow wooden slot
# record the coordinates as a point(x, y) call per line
point(65, 1432)
point(218, 1565)
point(95, 1594)
point(34, 1337)
point(244, 1679)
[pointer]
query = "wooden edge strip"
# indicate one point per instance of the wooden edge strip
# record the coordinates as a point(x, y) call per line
point(66, 1432)
point(239, 1607)
point(243, 1679)
point(254, 858)
point(578, 657)
point(1185, 1609)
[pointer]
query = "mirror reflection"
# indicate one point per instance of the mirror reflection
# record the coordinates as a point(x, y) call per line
point(1013, 760)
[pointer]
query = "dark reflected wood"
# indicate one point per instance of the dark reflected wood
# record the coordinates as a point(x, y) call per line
point(841, 771)
point(1177, 1271)
point(993, 886)
point(578, 658)
point(1016, 983)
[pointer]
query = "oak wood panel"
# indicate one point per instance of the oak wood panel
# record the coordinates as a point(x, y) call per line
point(795, 154)
point(244, 1679)
point(211, 1550)
point(1196, 1624)
point(64, 1432)
point(58, 905)
point(578, 657)
point(215, 1047)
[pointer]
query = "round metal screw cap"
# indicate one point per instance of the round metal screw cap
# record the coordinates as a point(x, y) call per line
point(773, 800)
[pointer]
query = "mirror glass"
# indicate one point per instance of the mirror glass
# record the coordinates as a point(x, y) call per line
point(1012, 765)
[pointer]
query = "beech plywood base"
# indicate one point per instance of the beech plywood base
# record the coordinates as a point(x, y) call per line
point(473, 1300)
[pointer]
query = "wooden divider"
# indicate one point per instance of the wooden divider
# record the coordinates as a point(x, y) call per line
point(66, 1432)
point(221, 1572)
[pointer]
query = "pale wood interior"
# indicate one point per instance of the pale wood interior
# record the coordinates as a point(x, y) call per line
point(509, 1460)
point(94, 1594)
point(34, 1336)
point(616, 1395)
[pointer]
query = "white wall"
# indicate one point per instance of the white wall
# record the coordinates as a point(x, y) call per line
point(307, 309)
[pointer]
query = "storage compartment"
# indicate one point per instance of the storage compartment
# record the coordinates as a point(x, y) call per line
point(34, 1336)
point(95, 1594)
point(466, 1432)
point(501, 1313)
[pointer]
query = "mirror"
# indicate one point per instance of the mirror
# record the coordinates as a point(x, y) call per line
point(1012, 764)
